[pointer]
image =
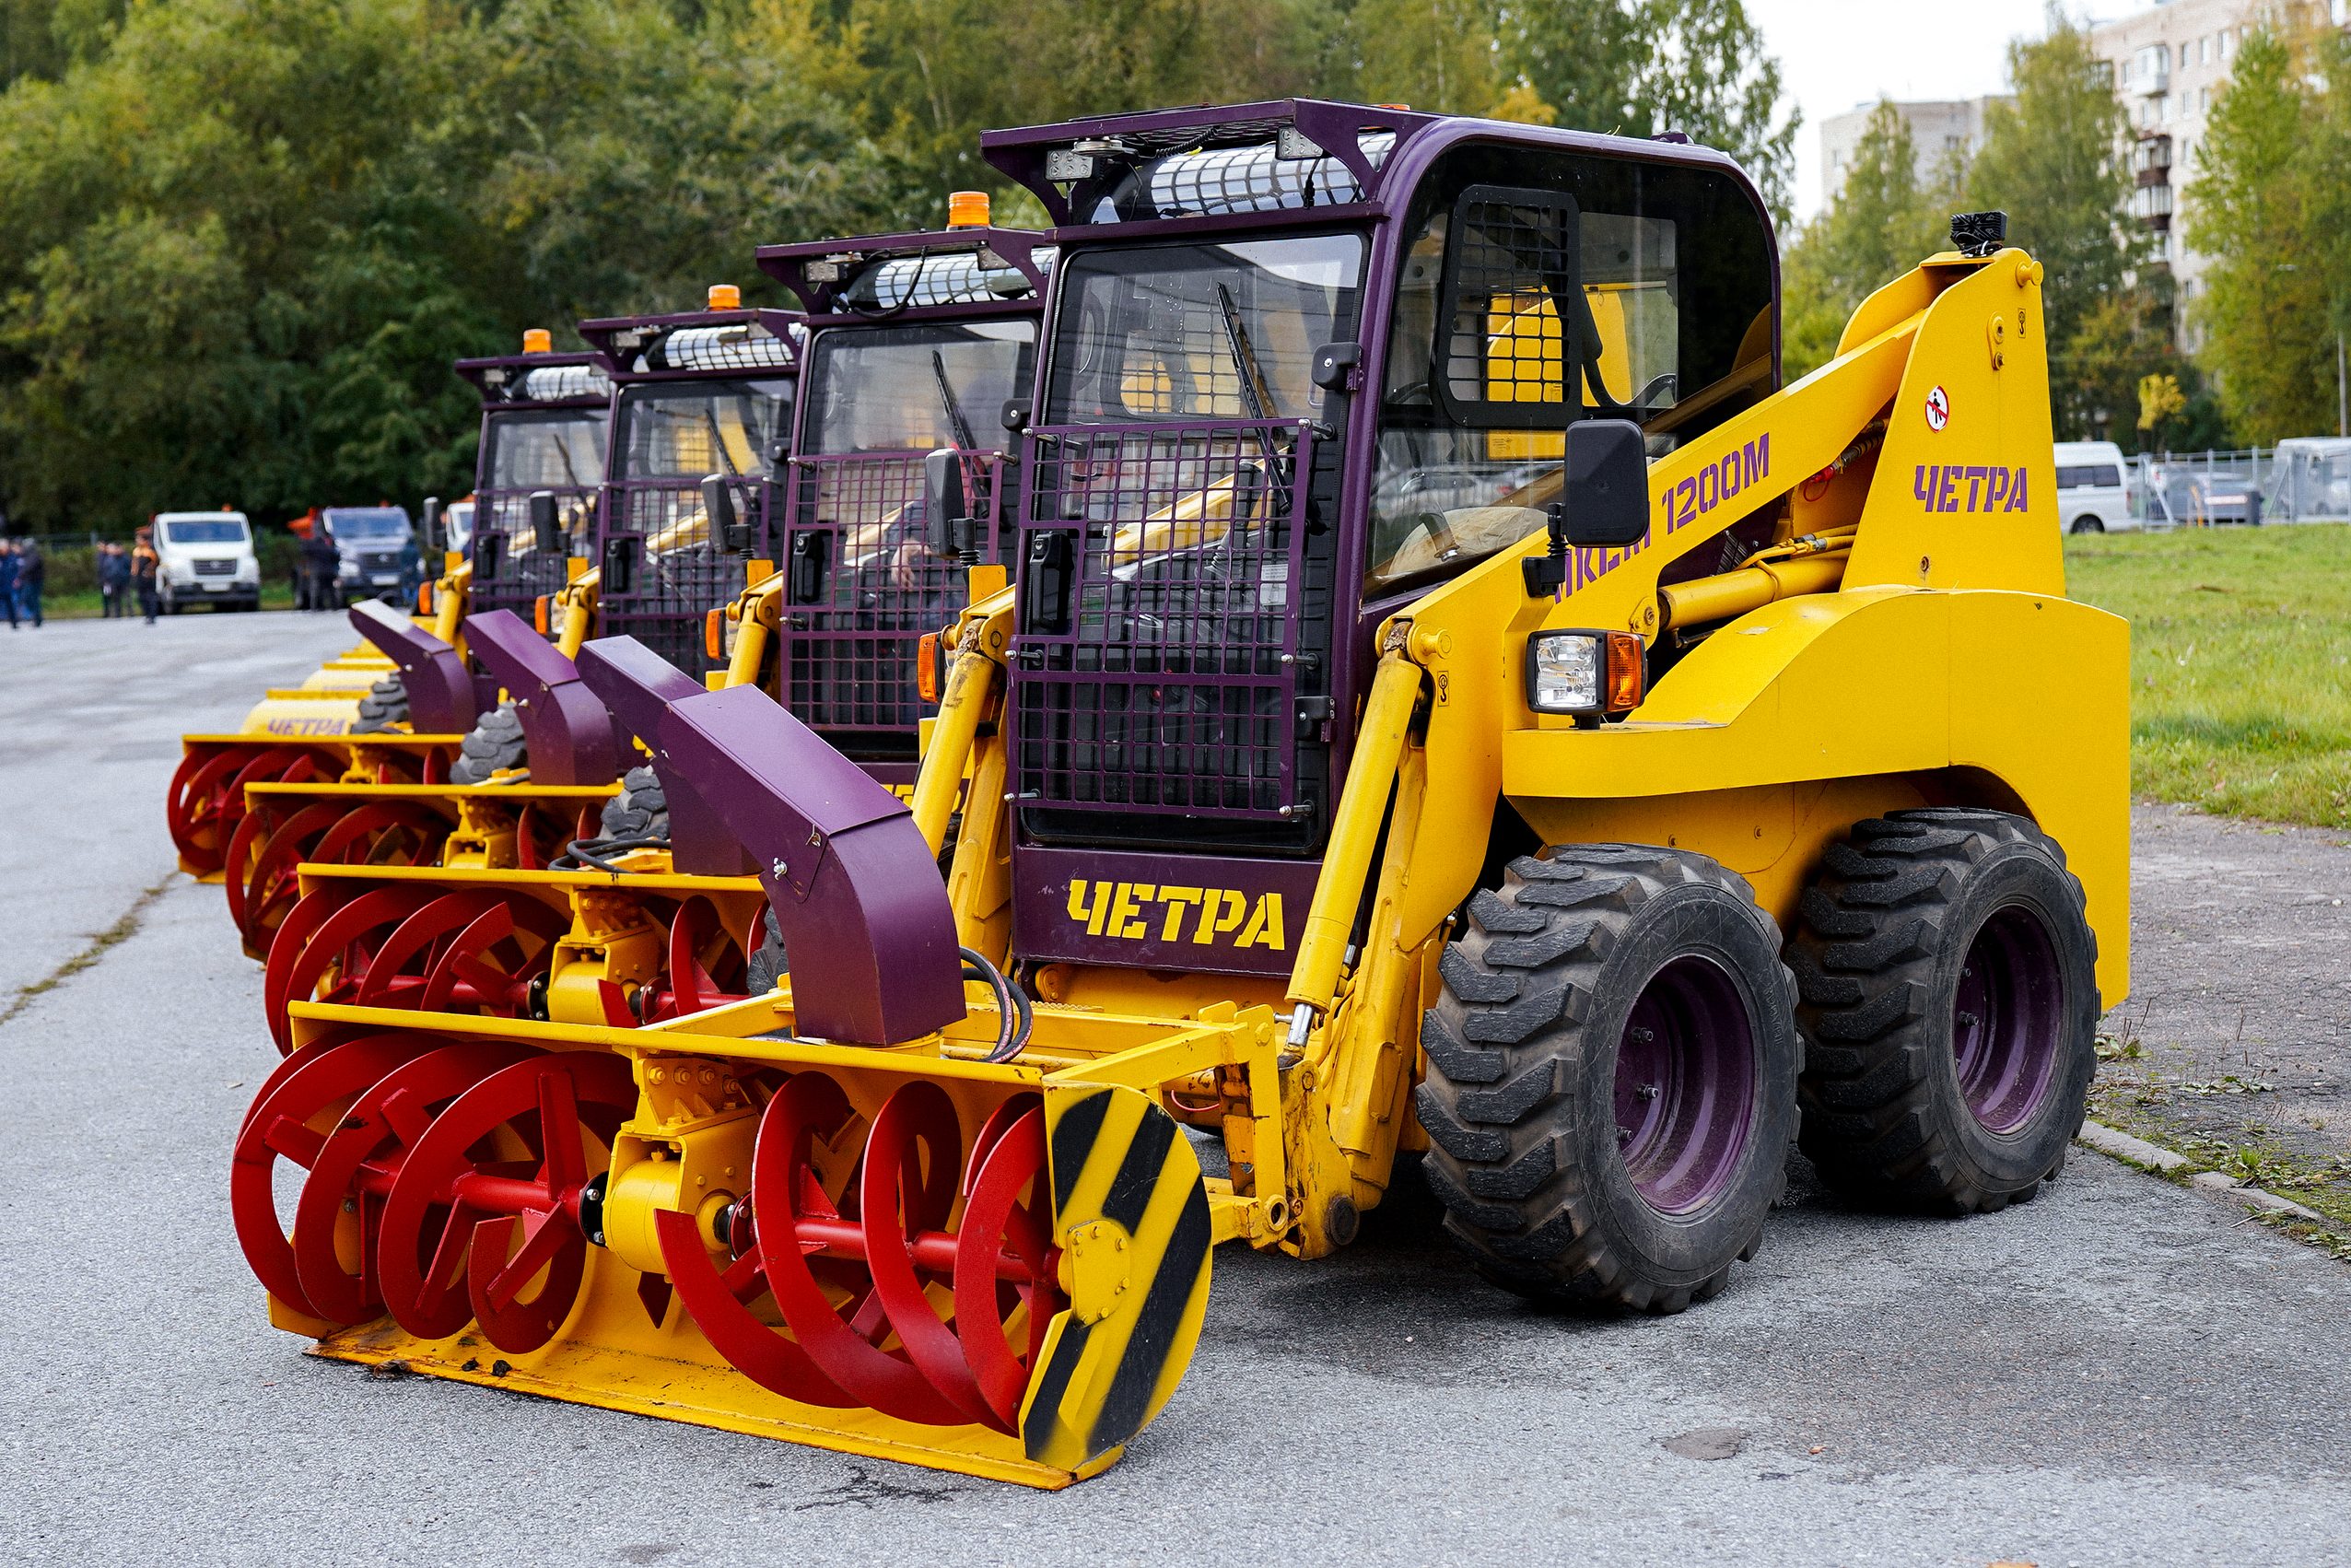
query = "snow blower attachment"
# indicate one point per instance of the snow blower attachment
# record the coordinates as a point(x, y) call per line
point(879, 1240)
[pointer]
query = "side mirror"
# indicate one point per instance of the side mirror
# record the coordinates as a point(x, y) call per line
point(1604, 502)
point(544, 529)
point(430, 525)
point(727, 527)
point(946, 507)
point(1607, 483)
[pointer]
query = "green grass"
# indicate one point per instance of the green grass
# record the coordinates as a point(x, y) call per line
point(2240, 664)
point(87, 605)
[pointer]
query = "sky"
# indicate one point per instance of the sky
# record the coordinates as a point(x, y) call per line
point(1837, 54)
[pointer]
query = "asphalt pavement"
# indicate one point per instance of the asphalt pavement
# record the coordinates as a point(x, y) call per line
point(2121, 1372)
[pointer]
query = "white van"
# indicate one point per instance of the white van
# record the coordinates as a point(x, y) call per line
point(2093, 489)
point(206, 558)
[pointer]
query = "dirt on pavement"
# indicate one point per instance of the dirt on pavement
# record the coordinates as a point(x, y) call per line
point(2234, 1048)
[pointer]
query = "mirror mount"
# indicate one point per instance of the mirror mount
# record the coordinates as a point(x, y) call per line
point(946, 509)
point(546, 532)
point(1604, 502)
point(728, 527)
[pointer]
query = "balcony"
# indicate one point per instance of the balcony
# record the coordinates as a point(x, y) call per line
point(2151, 71)
point(2151, 205)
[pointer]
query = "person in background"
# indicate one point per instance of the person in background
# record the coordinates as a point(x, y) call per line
point(144, 561)
point(113, 578)
point(32, 576)
point(8, 581)
point(323, 564)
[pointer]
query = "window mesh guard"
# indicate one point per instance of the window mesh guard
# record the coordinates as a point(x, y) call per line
point(1509, 276)
point(678, 569)
point(503, 538)
point(863, 585)
point(1159, 671)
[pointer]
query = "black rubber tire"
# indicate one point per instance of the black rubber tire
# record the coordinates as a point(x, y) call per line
point(1879, 949)
point(640, 809)
point(770, 964)
point(2087, 525)
point(384, 707)
point(494, 745)
point(1519, 1100)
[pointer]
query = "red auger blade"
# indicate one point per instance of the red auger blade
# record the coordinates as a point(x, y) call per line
point(502, 1222)
point(870, 1261)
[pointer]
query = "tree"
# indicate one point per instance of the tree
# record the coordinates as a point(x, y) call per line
point(2054, 161)
point(2264, 310)
point(932, 74)
point(255, 298)
point(1639, 68)
point(1883, 221)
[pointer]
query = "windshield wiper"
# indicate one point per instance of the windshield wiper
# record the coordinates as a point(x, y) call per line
point(1255, 395)
point(955, 420)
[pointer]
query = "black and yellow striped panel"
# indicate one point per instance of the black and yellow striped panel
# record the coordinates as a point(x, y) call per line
point(1119, 1164)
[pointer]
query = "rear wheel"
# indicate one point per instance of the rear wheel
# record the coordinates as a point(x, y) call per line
point(2088, 525)
point(1611, 1083)
point(384, 707)
point(1949, 985)
point(495, 745)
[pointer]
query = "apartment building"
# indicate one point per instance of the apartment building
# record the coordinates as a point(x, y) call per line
point(2171, 62)
point(1937, 130)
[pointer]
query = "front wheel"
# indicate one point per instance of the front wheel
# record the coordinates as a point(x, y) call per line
point(2088, 525)
point(1611, 1084)
point(1949, 984)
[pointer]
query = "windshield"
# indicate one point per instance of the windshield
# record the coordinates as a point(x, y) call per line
point(1201, 331)
point(1541, 285)
point(917, 388)
point(534, 452)
point(368, 522)
point(206, 531)
point(689, 430)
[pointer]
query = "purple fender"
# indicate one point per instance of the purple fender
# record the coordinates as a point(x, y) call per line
point(444, 697)
point(568, 731)
point(856, 891)
point(637, 685)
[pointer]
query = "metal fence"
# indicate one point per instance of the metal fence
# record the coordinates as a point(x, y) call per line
point(2301, 482)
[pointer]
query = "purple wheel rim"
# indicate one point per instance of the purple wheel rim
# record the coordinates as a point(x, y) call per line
point(2007, 1019)
point(1685, 1086)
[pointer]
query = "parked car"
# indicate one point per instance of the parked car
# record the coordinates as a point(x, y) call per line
point(2217, 498)
point(206, 558)
point(378, 548)
point(2093, 488)
point(2310, 481)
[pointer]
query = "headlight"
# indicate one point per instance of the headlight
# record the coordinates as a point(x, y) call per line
point(1586, 673)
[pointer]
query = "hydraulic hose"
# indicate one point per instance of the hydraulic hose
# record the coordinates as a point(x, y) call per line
point(1015, 1017)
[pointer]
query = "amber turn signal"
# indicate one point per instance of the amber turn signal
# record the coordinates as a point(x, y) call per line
point(714, 634)
point(926, 667)
point(539, 613)
point(1628, 670)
